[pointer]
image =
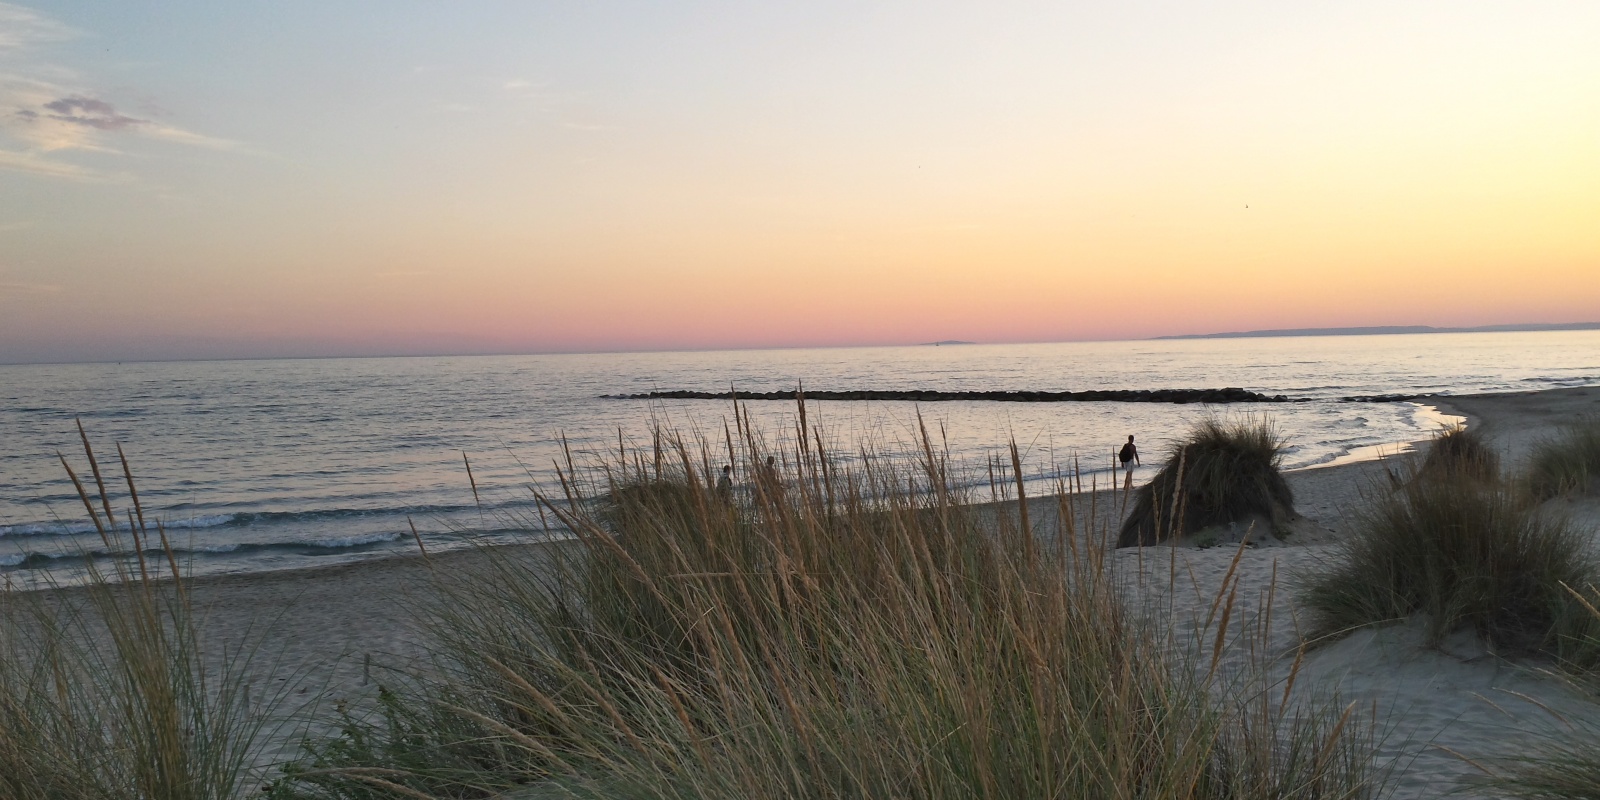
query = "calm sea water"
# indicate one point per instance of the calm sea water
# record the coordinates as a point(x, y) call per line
point(260, 465)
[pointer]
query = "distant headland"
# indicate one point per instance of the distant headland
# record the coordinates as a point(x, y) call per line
point(944, 342)
point(1392, 329)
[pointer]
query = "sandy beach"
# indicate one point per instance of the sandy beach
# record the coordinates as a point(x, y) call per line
point(334, 634)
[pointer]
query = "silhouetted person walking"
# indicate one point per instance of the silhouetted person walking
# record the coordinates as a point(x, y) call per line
point(1129, 455)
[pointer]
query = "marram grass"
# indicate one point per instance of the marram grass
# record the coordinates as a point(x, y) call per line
point(1463, 553)
point(1567, 463)
point(105, 693)
point(1459, 451)
point(836, 632)
point(1565, 764)
point(1223, 471)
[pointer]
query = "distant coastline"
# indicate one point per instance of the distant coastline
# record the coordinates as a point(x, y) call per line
point(943, 342)
point(1379, 330)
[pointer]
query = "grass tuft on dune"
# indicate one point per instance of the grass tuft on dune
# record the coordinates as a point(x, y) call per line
point(1223, 472)
point(1462, 553)
point(1568, 463)
point(1460, 451)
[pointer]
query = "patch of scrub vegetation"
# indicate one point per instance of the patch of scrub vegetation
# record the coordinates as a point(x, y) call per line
point(1460, 451)
point(1222, 472)
point(1569, 463)
point(1461, 552)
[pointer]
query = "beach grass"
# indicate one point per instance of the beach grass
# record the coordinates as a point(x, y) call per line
point(1568, 463)
point(836, 631)
point(1458, 450)
point(105, 691)
point(1564, 764)
point(1461, 552)
point(1224, 471)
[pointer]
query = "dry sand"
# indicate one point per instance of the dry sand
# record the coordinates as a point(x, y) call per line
point(1434, 707)
point(333, 633)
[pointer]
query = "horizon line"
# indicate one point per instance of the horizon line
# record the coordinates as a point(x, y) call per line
point(1367, 330)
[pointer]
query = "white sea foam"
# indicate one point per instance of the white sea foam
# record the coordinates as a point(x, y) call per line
point(204, 521)
point(80, 528)
point(353, 541)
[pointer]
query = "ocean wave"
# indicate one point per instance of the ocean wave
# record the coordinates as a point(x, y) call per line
point(78, 528)
point(351, 541)
point(243, 519)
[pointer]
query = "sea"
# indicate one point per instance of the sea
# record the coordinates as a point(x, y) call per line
point(259, 465)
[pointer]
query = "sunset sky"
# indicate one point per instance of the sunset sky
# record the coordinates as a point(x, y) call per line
point(201, 179)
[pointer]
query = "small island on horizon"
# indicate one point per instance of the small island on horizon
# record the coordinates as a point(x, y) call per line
point(1378, 330)
point(943, 342)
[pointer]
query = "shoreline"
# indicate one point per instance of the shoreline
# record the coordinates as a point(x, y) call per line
point(1356, 463)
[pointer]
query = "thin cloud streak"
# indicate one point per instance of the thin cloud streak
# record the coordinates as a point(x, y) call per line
point(33, 164)
point(23, 27)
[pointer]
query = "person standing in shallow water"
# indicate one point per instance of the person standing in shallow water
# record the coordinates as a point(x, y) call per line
point(1129, 455)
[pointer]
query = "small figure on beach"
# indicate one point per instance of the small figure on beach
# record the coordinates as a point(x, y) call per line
point(1129, 455)
point(725, 484)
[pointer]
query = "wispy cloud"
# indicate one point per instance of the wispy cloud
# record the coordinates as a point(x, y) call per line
point(46, 109)
point(23, 27)
point(192, 139)
point(86, 111)
point(37, 164)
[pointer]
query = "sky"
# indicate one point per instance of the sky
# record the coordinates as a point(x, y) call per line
point(265, 179)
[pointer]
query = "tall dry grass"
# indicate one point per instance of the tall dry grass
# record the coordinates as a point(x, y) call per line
point(104, 689)
point(832, 633)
